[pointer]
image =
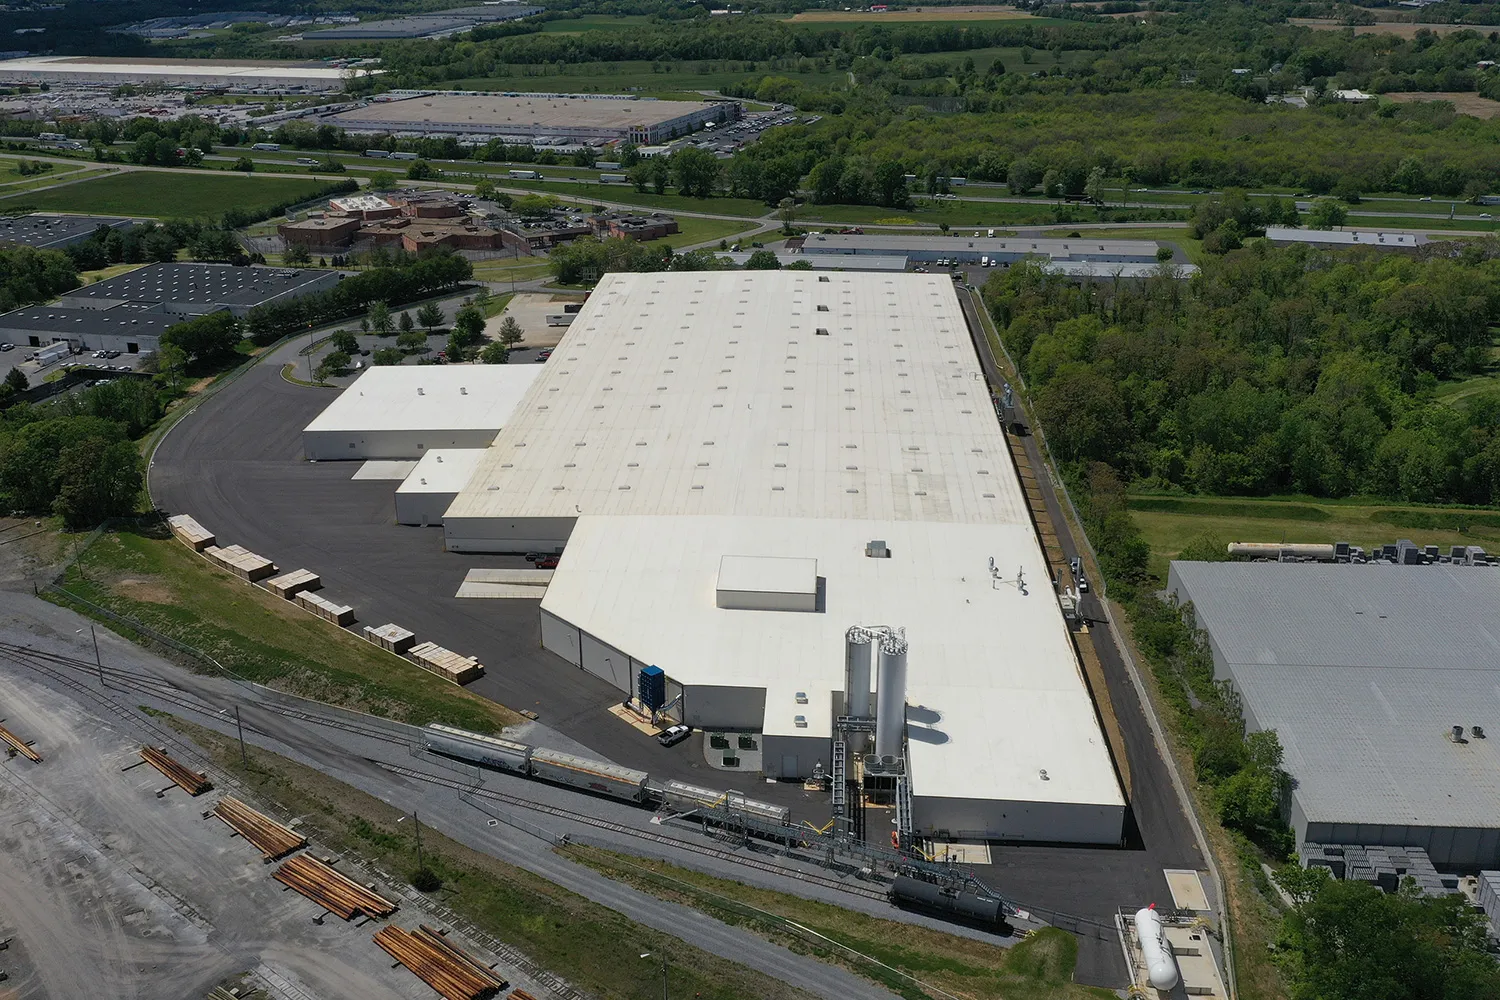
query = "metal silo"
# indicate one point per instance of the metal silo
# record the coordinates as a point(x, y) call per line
point(890, 695)
point(857, 673)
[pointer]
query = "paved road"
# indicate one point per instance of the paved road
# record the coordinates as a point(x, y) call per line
point(1161, 836)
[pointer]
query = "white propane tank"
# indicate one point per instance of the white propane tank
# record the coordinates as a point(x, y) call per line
point(1160, 965)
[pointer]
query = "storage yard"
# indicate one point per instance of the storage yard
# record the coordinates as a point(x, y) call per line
point(606, 118)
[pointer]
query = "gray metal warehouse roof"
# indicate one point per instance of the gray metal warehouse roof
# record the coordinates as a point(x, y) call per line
point(53, 232)
point(1362, 671)
point(208, 284)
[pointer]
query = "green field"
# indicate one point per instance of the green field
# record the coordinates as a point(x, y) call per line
point(1171, 523)
point(596, 22)
point(646, 78)
point(695, 230)
point(157, 581)
point(170, 194)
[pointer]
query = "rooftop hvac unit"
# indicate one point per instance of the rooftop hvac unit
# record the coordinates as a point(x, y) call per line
point(877, 549)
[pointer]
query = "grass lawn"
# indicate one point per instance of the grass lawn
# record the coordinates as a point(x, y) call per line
point(89, 277)
point(511, 269)
point(642, 76)
point(695, 230)
point(170, 194)
point(1038, 968)
point(10, 170)
point(589, 944)
point(596, 22)
point(626, 194)
point(161, 583)
point(1170, 523)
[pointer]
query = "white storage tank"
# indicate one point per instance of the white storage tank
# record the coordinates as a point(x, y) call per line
point(1161, 967)
point(890, 694)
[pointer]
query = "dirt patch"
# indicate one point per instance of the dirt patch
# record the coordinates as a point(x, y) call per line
point(1463, 103)
point(150, 591)
point(1401, 29)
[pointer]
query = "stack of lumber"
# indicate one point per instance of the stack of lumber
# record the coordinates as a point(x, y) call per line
point(190, 533)
point(192, 782)
point(289, 585)
point(391, 636)
point(446, 663)
point(443, 966)
point(19, 745)
point(520, 995)
point(335, 892)
point(240, 561)
point(325, 609)
point(268, 836)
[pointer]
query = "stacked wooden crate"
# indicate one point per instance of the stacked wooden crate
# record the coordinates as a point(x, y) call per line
point(190, 533)
point(446, 663)
point(240, 561)
point(339, 614)
point(391, 636)
point(289, 585)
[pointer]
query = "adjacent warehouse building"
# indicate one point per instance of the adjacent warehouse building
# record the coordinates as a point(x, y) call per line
point(966, 249)
point(1364, 672)
point(430, 25)
point(403, 411)
point(131, 311)
point(826, 444)
point(604, 118)
point(110, 72)
point(1333, 239)
point(46, 231)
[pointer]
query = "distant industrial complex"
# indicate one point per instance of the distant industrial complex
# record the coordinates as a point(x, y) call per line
point(228, 74)
point(131, 311)
point(567, 117)
point(435, 24)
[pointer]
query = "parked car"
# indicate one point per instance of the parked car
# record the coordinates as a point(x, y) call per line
point(547, 562)
point(7, 347)
point(674, 735)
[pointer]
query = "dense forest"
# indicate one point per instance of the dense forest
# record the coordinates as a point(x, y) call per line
point(1273, 371)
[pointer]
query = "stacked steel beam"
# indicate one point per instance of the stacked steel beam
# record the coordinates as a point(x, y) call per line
point(19, 745)
point(268, 836)
point(335, 892)
point(442, 965)
point(192, 782)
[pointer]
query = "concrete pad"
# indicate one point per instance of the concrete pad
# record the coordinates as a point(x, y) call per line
point(961, 852)
point(1187, 889)
point(384, 469)
point(501, 590)
point(1196, 963)
point(529, 577)
point(635, 720)
point(531, 310)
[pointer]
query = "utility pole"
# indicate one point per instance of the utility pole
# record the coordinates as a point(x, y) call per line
point(98, 661)
point(418, 822)
point(241, 730)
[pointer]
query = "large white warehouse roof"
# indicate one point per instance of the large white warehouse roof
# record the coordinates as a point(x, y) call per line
point(687, 419)
point(770, 394)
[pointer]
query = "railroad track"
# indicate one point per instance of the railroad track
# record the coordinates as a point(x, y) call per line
point(760, 864)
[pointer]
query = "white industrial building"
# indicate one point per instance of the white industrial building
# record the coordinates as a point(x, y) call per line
point(740, 466)
point(111, 72)
point(434, 483)
point(403, 411)
point(1340, 238)
point(964, 248)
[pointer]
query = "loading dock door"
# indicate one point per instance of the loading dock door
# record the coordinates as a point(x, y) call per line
point(789, 765)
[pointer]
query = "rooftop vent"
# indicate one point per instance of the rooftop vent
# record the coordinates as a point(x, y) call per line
point(800, 721)
point(1457, 735)
point(877, 549)
point(1477, 732)
point(802, 697)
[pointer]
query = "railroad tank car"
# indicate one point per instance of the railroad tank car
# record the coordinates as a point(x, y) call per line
point(489, 751)
point(595, 776)
point(959, 904)
point(684, 796)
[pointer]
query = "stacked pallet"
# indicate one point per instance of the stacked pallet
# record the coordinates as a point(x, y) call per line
point(240, 561)
point(190, 533)
point(391, 636)
point(267, 836)
point(443, 966)
point(325, 609)
point(192, 782)
point(289, 585)
point(19, 745)
point(330, 889)
point(446, 663)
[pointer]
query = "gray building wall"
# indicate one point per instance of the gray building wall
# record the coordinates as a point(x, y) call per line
point(332, 446)
point(978, 819)
point(524, 534)
point(795, 756)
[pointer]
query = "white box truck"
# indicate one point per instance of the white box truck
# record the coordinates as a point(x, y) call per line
point(59, 351)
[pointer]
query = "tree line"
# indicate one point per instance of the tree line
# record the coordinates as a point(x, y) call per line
point(1274, 371)
point(405, 279)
